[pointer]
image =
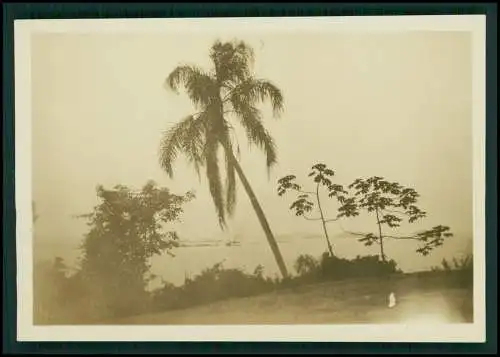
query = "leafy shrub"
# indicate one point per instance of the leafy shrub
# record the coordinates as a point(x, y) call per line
point(461, 269)
point(48, 281)
point(212, 284)
point(306, 264)
point(58, 296)
point(334, 268)
point(127, 228)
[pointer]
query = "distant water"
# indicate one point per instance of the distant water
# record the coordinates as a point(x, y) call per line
point(191, 260)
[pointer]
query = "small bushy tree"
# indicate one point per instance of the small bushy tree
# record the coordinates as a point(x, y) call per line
point(126, 229)
point(305, 264)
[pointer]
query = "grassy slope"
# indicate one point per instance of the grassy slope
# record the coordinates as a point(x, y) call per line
point(419, 297)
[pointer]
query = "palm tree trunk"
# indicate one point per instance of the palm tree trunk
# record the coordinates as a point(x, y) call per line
point(260, 215)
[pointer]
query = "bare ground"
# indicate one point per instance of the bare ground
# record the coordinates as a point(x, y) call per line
point(328, 303)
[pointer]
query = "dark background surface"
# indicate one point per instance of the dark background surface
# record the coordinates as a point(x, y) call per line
point(14, 11)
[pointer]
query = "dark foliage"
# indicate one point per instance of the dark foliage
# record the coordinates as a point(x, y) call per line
point(212, 284)
point(216, 283)
point(461, 269)
point(391, 204)
point(126, 229)
point(329, 268)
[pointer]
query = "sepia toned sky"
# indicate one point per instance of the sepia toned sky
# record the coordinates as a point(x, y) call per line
point(396, 105)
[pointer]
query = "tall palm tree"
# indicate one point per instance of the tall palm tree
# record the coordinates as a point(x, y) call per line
point(228, 91)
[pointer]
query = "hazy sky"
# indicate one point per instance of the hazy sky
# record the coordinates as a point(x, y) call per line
point(396, 105)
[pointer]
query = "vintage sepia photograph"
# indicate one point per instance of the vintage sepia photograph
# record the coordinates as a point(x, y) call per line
point(257, 173)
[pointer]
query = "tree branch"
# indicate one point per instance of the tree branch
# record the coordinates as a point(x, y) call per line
point(353, 233)
point(311, 219)
point(356, 233)
point(396, 237)
point(395, 211)
point(319, 219)
point(307, 192)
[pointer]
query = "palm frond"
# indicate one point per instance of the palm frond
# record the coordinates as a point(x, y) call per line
point(202, 89)
point(232, 60)
point(252, 91)
point(185, 137)
point(201, 137)
point(214, 177)
point(257, 134)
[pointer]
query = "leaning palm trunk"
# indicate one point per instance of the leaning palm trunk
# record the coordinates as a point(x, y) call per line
point(229, 88)
point(260, 215)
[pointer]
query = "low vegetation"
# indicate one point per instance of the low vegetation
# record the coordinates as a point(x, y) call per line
point(128, 227)
point(62, 298)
